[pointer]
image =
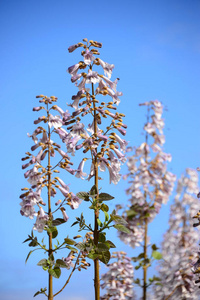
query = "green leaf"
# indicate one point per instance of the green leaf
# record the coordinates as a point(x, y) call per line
point(106, 216)
point(134, 258)
point(111, 244)
point(102, 247)
point(55, 272)
point(83, 195)
point(60, 263)
point(53, 230)
point(29, 239)
point(28, 256)
point(156, 255)
point(102, 237)
point(42, 291)
point(105, 197)
point(42, 262)
point(141, 255)
point(71, 248)
point(58, 221)
point(99, 222)
point(105, 257)
point(81, 246)
point(69, 241)
point(33, 243)
point(74, 223)
point(104, 207)
point(137, 281)
point(121, 228)
point(93, 190)
point(137, 267)
point(131, 213)
point(93, 256)
point(118, 219)
point(154, 247)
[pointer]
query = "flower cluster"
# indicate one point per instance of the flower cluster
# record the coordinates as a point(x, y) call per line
point(40, 176)
point(118, 281)
point(180, 243)
point(105, 145)
point(150, 182)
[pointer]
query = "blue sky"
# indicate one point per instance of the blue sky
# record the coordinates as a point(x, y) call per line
point(155, 46)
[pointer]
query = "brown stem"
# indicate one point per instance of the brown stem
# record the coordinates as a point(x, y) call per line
point(145, 267)
point(50, 251)
point(172, 292)
point(145, 257)
point(66, 283)
point(96, 229)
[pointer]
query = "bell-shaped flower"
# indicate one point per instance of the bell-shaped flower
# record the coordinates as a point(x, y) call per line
point(88, 57)
point(74, 201)
point(79, 172)
point(41, 220)
point(106, 67)
point(65, 216)
point(92, 77)
point(55, 121)
point(71, 145)
point(73, 69)
point(68, 261)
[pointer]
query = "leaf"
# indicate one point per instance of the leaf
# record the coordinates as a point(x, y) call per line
point(105, 197)
point(131, 213)
point(42, 262)
point(141, 255)
point(58, 221)
point(71, 248)
point(106, 216)
point(69, 241)
point(29, 239)
point(42, 291)
point(74, 223)
point(33, 243)
point(137, 281)
point(102, 247)
point(137, 267)
point(92, 256)
point(134, 258)
point(83, 195)
point(93, 190)
point(118, 219)
point(60, 263)
point(53, 230)
point(121, 228)
point(37, 293)
point(55, 272)
point(105, 257)
point(102, 237)
point(154, 247)
point(156, 255)
point(104, 207)
point(99, 222)
point(28, 256)
point(111, 244)
point(80, 246)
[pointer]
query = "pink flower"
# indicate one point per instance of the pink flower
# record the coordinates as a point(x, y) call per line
point(80, 173)
point(106, 67)
point(92, 77)
point(88, 57)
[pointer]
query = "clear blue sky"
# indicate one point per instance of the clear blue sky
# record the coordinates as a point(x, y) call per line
point(155, 46)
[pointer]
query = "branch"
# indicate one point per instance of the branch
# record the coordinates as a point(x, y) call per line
point(74, 268)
